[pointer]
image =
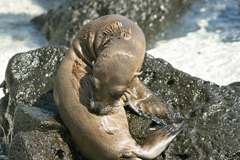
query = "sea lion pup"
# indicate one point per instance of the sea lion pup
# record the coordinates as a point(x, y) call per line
point(101, 137)
point(114, 47)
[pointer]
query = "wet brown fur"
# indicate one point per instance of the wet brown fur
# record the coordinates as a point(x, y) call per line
point(103, 137)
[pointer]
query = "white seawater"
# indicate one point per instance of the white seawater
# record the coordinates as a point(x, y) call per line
point(205, 42)
point(17, 33)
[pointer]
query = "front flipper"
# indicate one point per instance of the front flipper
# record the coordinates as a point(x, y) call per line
point(148, 115)
point(142, 101)
point(140, 96)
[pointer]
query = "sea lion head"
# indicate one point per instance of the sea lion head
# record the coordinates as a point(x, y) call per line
point(112, 75)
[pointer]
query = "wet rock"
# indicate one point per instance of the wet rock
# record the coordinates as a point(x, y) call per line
point(153, 16)
point(235, 86)
point(3, 108)
point(36, 145)
point(29, 81)
point(3, 128)
point(30, 76)
point(210, 111)
point(32, 118)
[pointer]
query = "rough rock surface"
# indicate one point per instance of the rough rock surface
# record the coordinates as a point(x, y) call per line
point(211, 112)
point(153, 16)
point(36, 145)
point(29, 79)
point(30, 75)
point(32, 118)
point(37, 135)
point(3, 125)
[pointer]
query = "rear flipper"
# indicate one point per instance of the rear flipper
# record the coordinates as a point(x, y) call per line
point(157, 142)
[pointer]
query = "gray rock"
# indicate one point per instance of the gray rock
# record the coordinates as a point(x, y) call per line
point(3, 128)
point(3, 108)
point(211, 111)
point(36, 145)
point(32, 118)
point(27, 85)
point(30, 76)
point(153, 16)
